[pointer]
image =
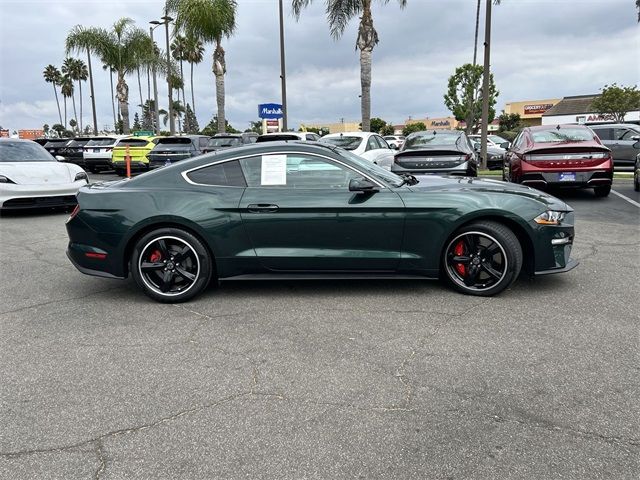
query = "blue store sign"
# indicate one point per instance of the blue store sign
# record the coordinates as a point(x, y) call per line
point(270, 110)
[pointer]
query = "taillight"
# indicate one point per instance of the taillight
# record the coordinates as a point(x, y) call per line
point(74, 212)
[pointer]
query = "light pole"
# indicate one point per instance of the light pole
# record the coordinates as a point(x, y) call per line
point(172, 122)
point(485, 86)
point(283, 75)
point(156, 109)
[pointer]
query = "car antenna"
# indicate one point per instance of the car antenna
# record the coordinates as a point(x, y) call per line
point(558, 127)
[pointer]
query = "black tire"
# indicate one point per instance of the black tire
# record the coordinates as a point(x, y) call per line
point(636, 183)
point(602, 191)
point(171, 265)
point(482, 258)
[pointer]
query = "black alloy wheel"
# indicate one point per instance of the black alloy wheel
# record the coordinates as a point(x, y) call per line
point(482, 258)
point(171, 265)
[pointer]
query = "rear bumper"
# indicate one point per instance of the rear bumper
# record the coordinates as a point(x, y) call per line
point(588, 179)
point(464, 169)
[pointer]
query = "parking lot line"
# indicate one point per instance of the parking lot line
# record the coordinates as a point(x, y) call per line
point(632, 202)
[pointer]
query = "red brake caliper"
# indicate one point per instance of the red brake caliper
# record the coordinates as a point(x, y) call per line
point(156, 256)
point(458, 250)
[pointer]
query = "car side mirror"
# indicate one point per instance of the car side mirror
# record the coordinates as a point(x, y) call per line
point(362, 185)
point(477, 146)
point(505, 145)
point(636, 145)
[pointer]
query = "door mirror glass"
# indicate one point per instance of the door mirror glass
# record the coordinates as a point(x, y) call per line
point(362, 185)
point(505, 145)
point(477, 146)
point(636, 145)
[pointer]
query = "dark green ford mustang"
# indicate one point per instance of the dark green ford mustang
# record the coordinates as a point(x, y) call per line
point(302, 210)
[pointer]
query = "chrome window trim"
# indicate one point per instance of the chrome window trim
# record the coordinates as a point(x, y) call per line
point(188, 180)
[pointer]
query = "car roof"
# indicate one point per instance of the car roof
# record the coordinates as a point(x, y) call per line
point(615, 125)
point(22, 140)
point(351, 134)
point(546, 128)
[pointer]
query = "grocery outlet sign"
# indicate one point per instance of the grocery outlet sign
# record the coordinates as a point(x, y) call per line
point(270, 111)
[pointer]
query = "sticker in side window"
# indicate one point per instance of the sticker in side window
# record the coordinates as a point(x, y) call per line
point(274, 170)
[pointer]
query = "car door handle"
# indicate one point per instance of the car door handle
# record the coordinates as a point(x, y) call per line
point(262, 208)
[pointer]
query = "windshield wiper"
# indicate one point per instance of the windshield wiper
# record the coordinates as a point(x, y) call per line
point(408, 179)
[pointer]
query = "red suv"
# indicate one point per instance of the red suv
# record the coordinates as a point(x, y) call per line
point(560, 156)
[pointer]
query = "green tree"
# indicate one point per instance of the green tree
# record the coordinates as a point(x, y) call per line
point(178, 111)
point(46, 129)
point(68, 71)
point(413, 127)
point(136, 123)
point(212, 127)
point(509, 122)
point(255, 127)
point(464, 96)
point(52, 75)
point(78, 40)
point(148, 116)
point(179, 53)
point(617, 101)
point(339, 13)
point(387, 130)
point(209, 21)
point(190, 121)
point(58, 128)
point(77, 71)
point(377, 124)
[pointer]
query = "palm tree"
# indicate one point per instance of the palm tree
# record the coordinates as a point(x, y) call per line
point(68, 70)
point(178, 111)
point(80, 39)
point(339, 12)
point(195, 55)
point(178, 51)
point(209, 21)
point(52, 76)
point(121, 49)
point(78, 72)
point(66, 87)
point(475, 43)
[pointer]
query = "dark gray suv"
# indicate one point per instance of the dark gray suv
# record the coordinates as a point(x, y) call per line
point(620, 138)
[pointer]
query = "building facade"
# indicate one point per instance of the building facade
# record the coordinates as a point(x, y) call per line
point(531, 111)
point(339, 127)
point(578, 109)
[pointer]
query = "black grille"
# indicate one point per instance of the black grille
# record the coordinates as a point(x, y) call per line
point(35, 202)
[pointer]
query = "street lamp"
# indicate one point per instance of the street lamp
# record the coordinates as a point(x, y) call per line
point(165, 21)
point(283, 74)
point(156, 109)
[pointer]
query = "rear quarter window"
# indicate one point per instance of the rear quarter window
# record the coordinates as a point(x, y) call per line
point(227, 174)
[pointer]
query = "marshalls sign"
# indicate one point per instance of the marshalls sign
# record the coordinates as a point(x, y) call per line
point(270, 110)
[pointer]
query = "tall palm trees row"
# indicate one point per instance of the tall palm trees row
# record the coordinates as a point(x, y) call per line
point(72, 69)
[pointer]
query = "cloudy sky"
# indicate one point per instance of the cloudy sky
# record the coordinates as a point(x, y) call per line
point(540, 49)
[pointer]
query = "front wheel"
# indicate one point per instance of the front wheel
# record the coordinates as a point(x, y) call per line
point(482, 258)
point(171, 265)
point(602, 191)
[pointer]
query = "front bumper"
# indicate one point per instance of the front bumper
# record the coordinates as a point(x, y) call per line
point(553, 245)
point(21, 197)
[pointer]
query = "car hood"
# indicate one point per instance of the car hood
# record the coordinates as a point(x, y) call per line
point(37, 173)
point(470, 185)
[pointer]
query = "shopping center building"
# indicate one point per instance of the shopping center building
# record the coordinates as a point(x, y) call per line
point(531, 111)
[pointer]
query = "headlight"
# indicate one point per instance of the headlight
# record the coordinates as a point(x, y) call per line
point(4, 179)
point(81, 176)
point(550, 217)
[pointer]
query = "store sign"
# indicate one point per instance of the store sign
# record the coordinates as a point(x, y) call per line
point(272, 123)
point(600, 118)
point(537, 109)
point(270, 110)
point(440, 123)
point(4, 133)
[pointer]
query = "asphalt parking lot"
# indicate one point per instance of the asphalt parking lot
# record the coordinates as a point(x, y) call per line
point(374, 379)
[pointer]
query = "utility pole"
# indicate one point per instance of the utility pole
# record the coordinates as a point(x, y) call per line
point(156, 109)
point(172, 121)
point(283, 75)
point(485, 86)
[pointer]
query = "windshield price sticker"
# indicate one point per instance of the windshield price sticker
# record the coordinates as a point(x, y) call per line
point(274, 170)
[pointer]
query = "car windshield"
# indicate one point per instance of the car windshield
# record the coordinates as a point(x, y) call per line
point(174, 141)
point(225, 142)
point(344, 141)
point(425, 139)
point(497, 139)
point(23, 152)
point(371, 168)
point(133, 142)
point(562, 135)
point(56, 143)
point(77, 143)
point(100, 142)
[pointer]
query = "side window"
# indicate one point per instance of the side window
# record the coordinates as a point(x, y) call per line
point(381, 142)
point(604, 133)
point(310, 137)
point(371, 143)
point(629, 135)
point(228, 174)
point(204, 141)
point(296, 171)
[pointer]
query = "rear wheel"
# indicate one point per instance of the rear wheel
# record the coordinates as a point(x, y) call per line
point(171, 265)
point(602, 191)
point(482, 258)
